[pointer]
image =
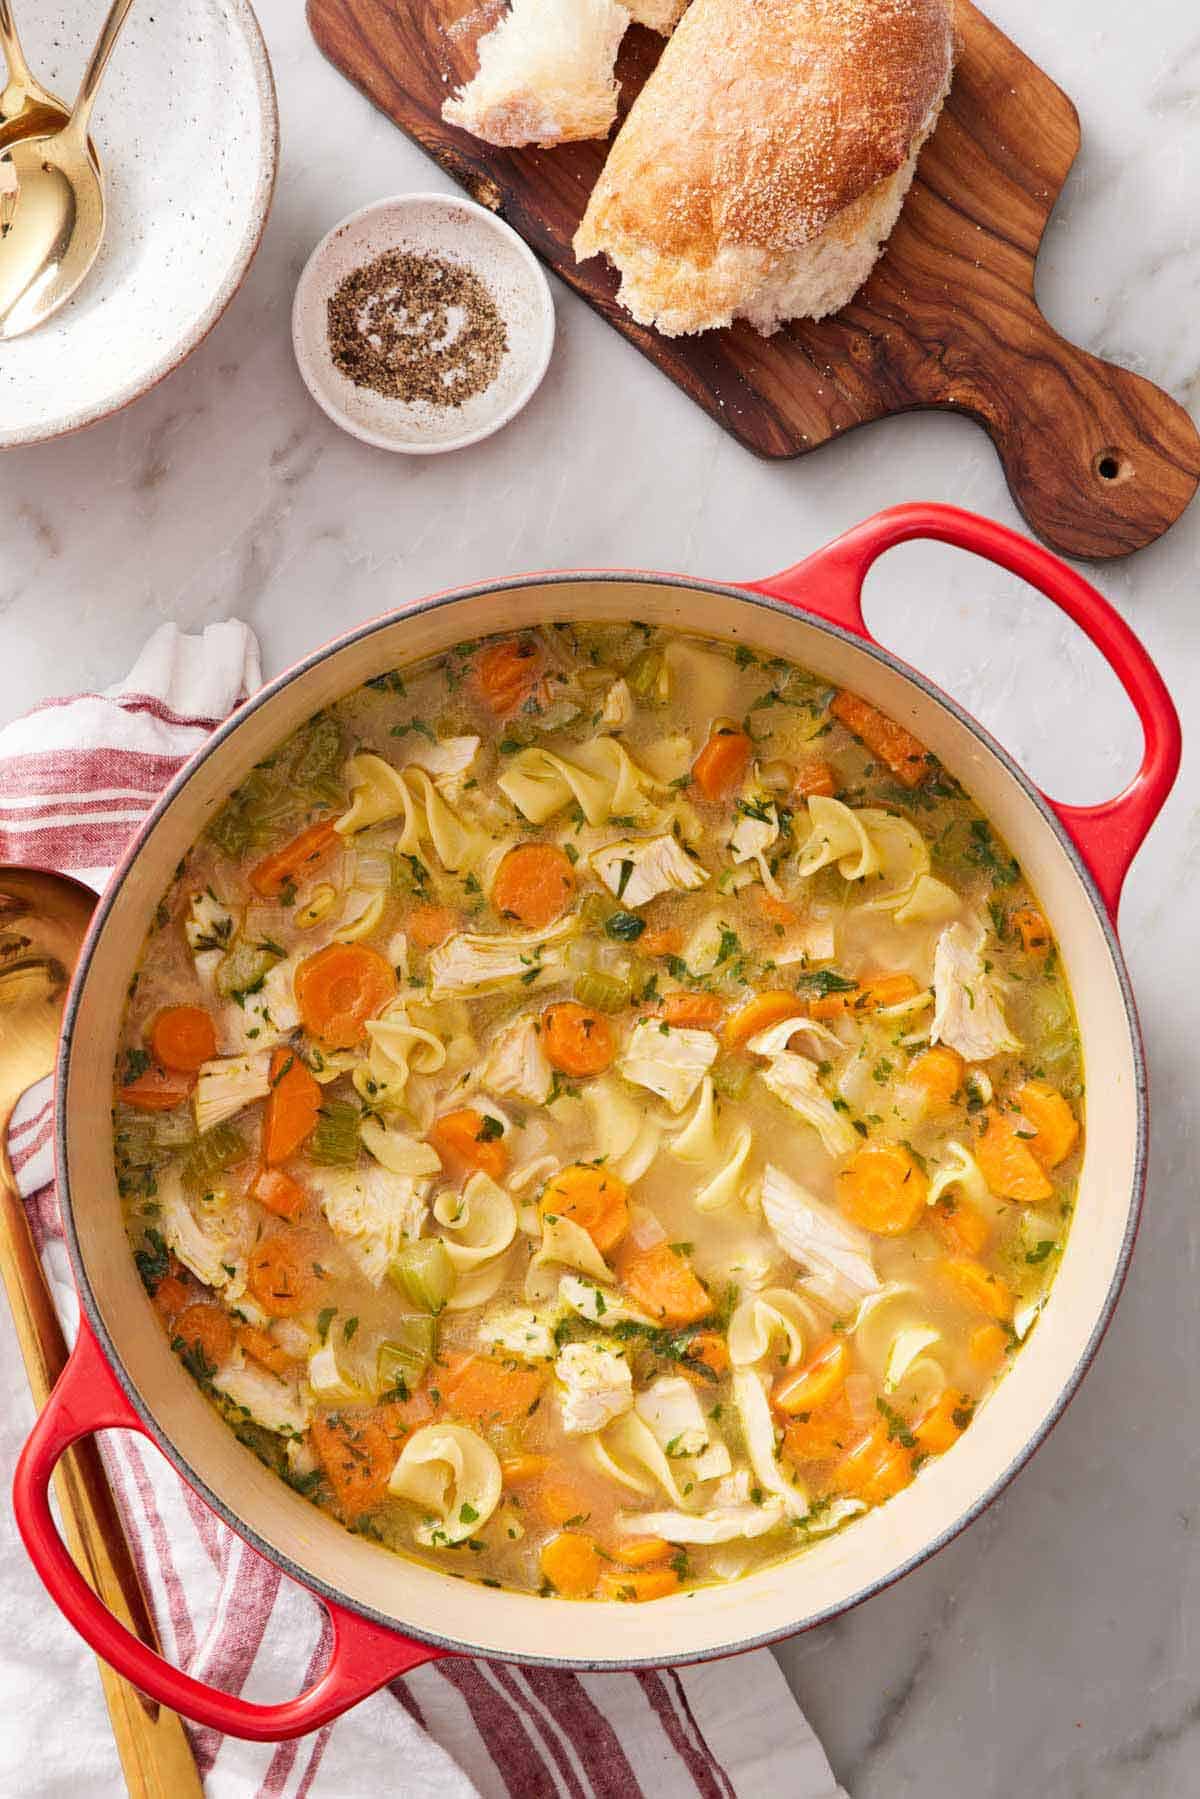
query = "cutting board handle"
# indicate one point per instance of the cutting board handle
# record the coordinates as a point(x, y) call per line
point(1100, 461)
point(1107, 836)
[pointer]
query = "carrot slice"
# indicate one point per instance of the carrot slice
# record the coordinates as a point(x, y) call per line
point(882, 1190)
point(507, 673)
point(157, 1089)
point(521, 1470)
point(638, 1585)
point(534, 884)
point(466, 1141)
point(595, 1199)
point(339, 988)
point(692, 1011)
point(279, 1193)
point(757, 1014)
point(814, 778)
point(939, 1428)
point(722, 763)
point(400, 1417)
point(206, 1331)
point(1008, 1163)
point(661, 1281)
point(357, 1457)
point(986, 1345)
point(875, 1468)
point(814, 1383)
point(183, 1038)
point(974, 1285)
point(938, 1073)
point(642, 1552)
point(880, 990)
point(707, 1349)
point(1052, 1118)
point(428, 926)
point(1032, 928)
point(282, 1273)
point(571, 1565)
point(264, 1349)
point(560, 1502)
point(822, 1435)
point(577, 1040)
point(170, 1295)
point(961, 1225)
point(302, 856)
point(488, 1391)
point(776, 911)
point(903, 753)
point(291, 1109)
point(667, 942)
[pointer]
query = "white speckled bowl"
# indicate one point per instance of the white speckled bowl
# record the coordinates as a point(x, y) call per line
point(461, 231)
point(187, 129)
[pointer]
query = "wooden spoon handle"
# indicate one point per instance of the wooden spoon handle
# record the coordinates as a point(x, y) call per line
point(1100, 461)
point(155, 1754)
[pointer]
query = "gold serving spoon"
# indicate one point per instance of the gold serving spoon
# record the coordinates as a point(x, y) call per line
point(58, 222)
point(43, 920)
point(27, 109)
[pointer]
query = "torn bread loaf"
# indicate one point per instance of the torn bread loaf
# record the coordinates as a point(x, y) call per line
point(545, 74)
point(765, 162)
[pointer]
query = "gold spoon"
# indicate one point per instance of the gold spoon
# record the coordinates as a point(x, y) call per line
point(58, 223)
point(27, 109)
point(43, 920)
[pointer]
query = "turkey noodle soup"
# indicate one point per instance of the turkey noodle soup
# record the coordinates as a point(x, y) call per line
point(597, 1110)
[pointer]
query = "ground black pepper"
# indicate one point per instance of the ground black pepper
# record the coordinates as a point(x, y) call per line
point(415, 327)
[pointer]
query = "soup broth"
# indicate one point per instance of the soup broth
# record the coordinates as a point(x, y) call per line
point(599, 1109)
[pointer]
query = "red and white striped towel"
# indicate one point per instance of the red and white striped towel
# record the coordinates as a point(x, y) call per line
point(76, 776)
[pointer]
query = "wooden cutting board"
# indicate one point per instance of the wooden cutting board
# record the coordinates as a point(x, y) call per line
point(1100, 461)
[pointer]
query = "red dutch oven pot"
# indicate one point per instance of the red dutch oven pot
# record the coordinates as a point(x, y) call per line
point(388, 1614)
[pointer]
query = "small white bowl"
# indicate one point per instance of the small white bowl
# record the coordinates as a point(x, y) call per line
point(187, 130)
point(462, 232)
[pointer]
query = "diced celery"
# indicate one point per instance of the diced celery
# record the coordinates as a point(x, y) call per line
point(245, 968)
point(317, 757)
point(231, 830)
point(334, 1141)
point(647, 676)
point(403, 1358)
point(594, 909)
point(603, 992)
point(213, 1151)
point(137, 1153)
point(730, 1079)
point(423, 1272)
point(174, 1131)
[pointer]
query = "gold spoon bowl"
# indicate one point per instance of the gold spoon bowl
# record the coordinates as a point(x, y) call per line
point(27, 109)
point(58, 220)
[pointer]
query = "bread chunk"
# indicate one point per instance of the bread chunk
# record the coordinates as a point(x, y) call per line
point(545, 74)
point(764, 164)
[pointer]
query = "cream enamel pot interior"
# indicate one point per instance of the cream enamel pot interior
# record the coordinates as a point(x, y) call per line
point(389, 1614)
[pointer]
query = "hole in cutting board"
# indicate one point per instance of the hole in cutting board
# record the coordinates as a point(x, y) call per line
point(1013, 661)
point(1112, 467)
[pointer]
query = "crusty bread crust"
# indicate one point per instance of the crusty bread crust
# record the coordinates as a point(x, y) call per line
point(764, 123)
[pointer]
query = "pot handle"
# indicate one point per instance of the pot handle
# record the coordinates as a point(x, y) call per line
point(365, 1656)
point(1107, 836)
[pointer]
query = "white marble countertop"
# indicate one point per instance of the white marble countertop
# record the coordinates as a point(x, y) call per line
point(1052, 1649)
